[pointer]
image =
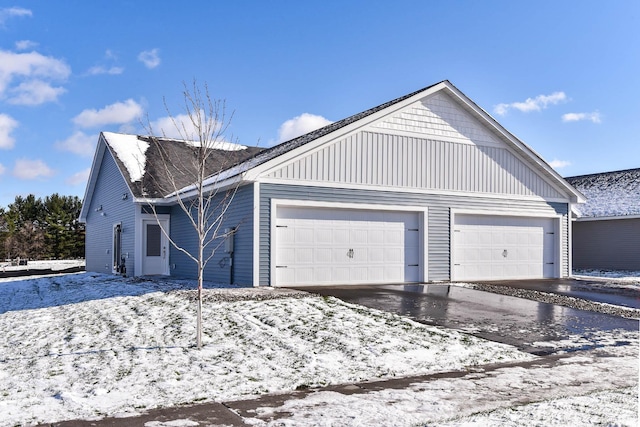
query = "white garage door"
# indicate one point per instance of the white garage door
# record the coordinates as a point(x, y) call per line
point(318, 246)
point(499, 247)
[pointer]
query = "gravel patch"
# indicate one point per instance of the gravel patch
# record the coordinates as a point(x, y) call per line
point(551, 298)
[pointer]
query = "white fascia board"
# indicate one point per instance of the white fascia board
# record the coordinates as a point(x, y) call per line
point(279, 161)
point(98, 155)
point(190, 192)
point(213, 181)
point(531, 154)
point(606, 218)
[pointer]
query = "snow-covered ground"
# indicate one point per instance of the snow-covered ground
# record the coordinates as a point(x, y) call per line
point(582, 390)
point(43, 265)
point(617, 278)
point(89, 345)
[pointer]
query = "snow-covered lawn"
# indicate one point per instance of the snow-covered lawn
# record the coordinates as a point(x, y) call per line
point(88, 345)
point(589, 388)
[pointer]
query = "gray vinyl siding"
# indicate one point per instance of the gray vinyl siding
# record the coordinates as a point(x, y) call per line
point(439, 213)
point(218, 269)
point(109, 188)
point(563, 209)
point(609, 245)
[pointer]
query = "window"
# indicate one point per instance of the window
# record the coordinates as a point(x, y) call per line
point(154, 240)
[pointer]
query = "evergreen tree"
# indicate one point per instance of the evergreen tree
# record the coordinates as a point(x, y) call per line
point(36, 229)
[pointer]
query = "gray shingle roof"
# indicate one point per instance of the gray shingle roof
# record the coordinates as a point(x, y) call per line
point(609, 194)
point(170, 165)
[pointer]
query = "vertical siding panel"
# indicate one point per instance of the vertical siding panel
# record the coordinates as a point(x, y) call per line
point(392, 171)
point(436, 160)
point(432, 164)
point(375, 158)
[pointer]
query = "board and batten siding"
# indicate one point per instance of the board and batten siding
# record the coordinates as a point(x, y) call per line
point(439, 209)
point(432, 144)
point(109, 189)
point(218, 269)
point(402, 161)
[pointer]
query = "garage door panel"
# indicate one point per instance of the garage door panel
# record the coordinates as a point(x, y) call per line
point(323, 255)
point(512, 247)
point(345, 246)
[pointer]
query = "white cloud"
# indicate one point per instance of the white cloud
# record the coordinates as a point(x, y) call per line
point(2, 169)
point(7, 126)
point(12, 12)
point(576, 117)
point(31, 169)
point(538, 103)
point(150, 58)
point(168, 127)
point(117, 113)
point(99, 69)
point(34, 92)
point(79, 178)
point(25, 44)
point(33, 71)
point(109, 57)
point(300, 125)
point(559, 164)
point(78, 143)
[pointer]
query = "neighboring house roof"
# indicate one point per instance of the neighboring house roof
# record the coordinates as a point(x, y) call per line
point(609, 194)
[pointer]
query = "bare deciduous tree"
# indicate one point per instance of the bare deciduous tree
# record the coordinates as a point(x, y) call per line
point(194, 180)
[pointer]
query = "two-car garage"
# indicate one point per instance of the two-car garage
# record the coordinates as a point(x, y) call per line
point(328, 245)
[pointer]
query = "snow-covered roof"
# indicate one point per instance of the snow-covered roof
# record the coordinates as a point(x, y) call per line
point(609, 194)
point(157, 170)
point(131, 151)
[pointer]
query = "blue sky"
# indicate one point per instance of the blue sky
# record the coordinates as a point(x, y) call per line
point(562, 76)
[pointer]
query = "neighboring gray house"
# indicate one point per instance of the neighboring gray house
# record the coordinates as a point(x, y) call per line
point(606, 232)
point(427, 187)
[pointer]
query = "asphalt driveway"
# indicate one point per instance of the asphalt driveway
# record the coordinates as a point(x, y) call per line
point(532, 326)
